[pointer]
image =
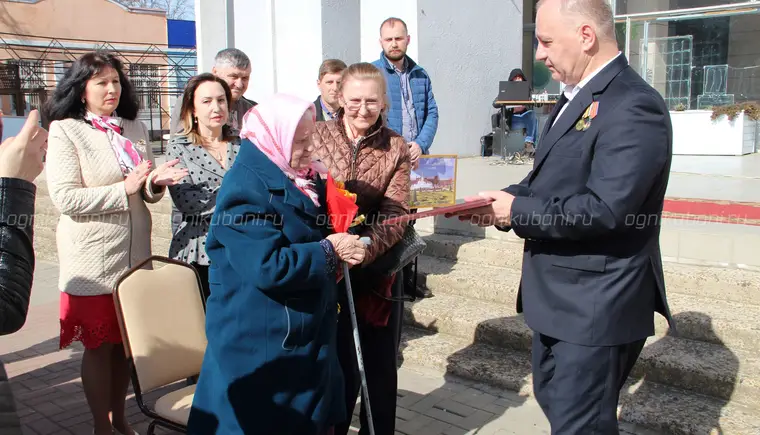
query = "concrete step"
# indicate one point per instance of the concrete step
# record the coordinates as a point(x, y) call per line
point(702, 367)
point(642, 401)
point(712, 320)
point(732, 284)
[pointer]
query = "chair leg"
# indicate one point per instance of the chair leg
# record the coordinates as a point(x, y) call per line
point(151, 427)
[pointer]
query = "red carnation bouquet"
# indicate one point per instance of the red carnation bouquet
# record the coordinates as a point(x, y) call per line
point(341, 206)
point(341, 210)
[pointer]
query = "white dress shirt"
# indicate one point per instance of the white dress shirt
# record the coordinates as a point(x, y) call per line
point(571, 91)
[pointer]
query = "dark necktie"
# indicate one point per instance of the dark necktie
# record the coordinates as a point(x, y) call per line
point(558, 108)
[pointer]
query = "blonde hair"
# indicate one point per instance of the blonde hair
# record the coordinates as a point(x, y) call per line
point(366, 71)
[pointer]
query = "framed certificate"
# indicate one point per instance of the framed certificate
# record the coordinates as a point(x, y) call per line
point(434, 181)
point(449, 209)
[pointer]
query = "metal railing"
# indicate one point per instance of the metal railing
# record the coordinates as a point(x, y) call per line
point(30, 67)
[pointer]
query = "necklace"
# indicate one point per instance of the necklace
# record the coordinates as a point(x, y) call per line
point(216, 153)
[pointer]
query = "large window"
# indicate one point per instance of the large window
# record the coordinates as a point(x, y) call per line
point(698, 60)
point(623, 7)
point(696, 53)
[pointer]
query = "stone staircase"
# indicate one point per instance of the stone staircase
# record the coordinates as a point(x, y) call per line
point(703, 380)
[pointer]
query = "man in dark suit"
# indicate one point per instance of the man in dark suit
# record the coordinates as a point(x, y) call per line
point(589, 212)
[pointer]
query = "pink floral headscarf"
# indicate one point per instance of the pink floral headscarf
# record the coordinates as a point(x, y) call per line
point(271, 126)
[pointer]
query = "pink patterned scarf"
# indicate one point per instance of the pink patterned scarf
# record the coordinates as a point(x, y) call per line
point(125, 151)
point(271, 126)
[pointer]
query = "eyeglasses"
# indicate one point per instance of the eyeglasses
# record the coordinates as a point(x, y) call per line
point(371, 106)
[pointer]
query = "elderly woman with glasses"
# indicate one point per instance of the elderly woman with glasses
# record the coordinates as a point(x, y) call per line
point(374, 163)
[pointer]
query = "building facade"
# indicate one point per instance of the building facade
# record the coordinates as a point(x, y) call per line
point(39, 40)
point(466, 50)
point(697, 53)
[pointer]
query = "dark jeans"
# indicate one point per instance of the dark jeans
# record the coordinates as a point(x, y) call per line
point(379, 350)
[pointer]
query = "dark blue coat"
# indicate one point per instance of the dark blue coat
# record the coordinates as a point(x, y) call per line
point(271, 364)
point(590, 213)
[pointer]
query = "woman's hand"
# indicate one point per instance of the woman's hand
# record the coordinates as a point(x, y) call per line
point(21, 156)
point(167, 175)
point(136, 179)
point(348, 248)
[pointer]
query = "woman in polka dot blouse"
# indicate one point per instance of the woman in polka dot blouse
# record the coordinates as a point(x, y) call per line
point(207, 148)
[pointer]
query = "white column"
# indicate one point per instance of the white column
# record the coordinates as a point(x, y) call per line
point(210, 31)
point(288, 40)
point(254, 35)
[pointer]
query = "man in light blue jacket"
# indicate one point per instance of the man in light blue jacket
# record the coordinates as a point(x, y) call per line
point(413, 111)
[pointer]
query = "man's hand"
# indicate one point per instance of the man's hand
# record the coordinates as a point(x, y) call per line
point(414, 153)
point(497, 213)
point(21, 156)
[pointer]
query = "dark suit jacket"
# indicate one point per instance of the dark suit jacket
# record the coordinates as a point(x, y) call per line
point(271, 365)
point(318, 105)
point(590, 213)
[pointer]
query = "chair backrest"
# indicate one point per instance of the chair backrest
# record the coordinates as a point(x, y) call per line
point(162, 318)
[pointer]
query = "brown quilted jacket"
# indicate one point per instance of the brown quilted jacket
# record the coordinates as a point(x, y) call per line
point(377, 171)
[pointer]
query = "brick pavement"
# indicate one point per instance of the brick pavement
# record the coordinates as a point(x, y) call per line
point(48, 389)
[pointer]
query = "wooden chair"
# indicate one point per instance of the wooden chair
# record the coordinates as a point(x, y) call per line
point(161, 314)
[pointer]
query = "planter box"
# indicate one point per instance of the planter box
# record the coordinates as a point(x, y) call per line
point(694, 133)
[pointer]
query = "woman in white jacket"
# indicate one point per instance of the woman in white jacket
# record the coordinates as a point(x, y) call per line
point(100, 175)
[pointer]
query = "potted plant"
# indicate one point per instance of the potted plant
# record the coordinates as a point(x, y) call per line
point(721, 130)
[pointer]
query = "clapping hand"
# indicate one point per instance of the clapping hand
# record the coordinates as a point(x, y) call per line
point(167, 175)
point(136, 179)
point(22, 156)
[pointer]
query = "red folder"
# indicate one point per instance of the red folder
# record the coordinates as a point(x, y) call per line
point(456, 208)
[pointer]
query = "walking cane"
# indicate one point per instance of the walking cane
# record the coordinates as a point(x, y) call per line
point(357, 343)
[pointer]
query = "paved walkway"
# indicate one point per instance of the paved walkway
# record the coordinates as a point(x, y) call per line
point(48, 389)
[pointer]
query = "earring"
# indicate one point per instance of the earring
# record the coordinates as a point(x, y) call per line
point(83, 101)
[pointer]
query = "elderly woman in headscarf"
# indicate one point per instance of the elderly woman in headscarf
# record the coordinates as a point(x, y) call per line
point(271, 364)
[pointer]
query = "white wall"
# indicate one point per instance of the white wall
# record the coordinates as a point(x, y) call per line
point(211, 34)
point(374, 12)
point(341, 26)
point(467, 51)
point(254, 35)
point(285, 40)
